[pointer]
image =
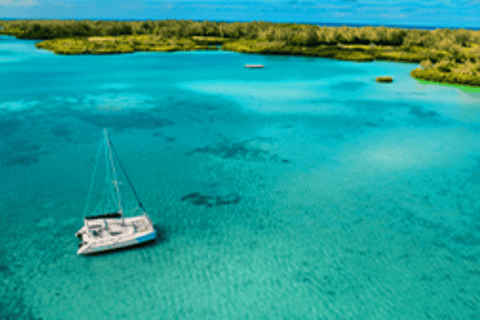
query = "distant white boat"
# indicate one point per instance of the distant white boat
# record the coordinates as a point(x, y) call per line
point(109, 231)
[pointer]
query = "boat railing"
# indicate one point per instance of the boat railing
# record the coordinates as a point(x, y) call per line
point(105, 215)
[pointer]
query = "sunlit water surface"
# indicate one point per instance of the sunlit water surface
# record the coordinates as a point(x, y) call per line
point(317, 192)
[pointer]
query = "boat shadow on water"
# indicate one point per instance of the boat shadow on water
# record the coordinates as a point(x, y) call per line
point(159, 239)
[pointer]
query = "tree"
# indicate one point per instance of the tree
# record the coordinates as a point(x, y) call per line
point(311, 38)
point(395, 37)
point(462, 37)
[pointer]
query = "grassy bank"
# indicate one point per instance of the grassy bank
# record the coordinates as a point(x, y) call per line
point(453, 77)
point(464, 88)
point(447, 56)
point(121, 44)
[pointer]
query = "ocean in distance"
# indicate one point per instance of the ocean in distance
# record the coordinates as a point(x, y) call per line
point(443, 13)
point(321, 24)
point(304, 190)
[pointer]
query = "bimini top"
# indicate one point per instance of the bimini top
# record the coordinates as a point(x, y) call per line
point(105, 215)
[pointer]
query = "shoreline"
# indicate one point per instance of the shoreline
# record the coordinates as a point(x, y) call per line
point(469, 89)
point(445, 55)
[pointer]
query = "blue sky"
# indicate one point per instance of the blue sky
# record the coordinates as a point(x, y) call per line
point(446, 13)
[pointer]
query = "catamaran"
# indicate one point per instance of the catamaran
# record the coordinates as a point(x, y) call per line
point(109, 231)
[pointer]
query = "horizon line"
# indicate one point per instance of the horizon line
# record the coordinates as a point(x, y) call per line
point(348, 24)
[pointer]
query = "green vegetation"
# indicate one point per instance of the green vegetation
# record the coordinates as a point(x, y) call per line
point(384, 79)
point(120, 44)
point(449, 72)
point(448, 56)
point(467, 89)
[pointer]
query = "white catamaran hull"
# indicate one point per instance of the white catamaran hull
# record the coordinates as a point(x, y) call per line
point(100, 235)
point(111, 231)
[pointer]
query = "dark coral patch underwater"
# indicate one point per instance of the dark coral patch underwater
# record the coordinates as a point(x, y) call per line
point(348, 86)
point(23, 160)
point(234, 150)
point(121, 120)
point(422, 113)
point(240, 150)
point(199, 199)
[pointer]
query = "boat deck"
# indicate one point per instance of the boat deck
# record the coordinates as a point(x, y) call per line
point(106, 228)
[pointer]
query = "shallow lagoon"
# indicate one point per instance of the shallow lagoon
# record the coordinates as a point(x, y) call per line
point(303, 190)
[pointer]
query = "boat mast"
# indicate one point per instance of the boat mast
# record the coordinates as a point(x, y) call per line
point(115, 181)
point(140, 205)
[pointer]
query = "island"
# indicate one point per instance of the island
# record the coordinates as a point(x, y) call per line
point(384, 79)
point(445, 55)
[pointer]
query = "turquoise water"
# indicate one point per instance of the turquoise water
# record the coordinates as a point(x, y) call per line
point(305, 190)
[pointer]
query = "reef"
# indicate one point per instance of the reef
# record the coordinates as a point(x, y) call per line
point(199, 199)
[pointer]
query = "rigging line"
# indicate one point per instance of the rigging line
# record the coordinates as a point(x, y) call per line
point(93, 179)
point(126, 175)
point(120, 209)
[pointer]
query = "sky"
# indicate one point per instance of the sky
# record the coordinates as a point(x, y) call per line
point(438, 13)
